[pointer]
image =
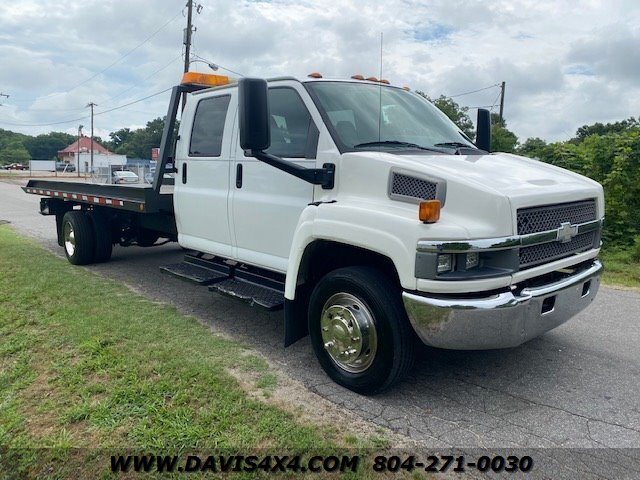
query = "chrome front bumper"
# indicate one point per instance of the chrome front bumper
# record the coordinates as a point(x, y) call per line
point(501, 320)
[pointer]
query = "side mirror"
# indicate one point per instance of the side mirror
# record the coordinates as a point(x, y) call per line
point(253, 114)
point(483, 134)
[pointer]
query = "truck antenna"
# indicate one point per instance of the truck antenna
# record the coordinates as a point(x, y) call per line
point(380, 91)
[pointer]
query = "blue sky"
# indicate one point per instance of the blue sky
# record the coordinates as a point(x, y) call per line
point(565, 64)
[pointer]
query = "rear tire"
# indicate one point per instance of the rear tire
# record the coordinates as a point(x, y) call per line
point(359, 329)
point(78, 237)
point(103, 240)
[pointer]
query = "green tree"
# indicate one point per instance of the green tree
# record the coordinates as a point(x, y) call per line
point(14, 151)
point(457, 114)
point(502, 139)
point(12, 147)
point(615, 158)
point(533, 148)
point(602, 129)
point(47, 146)
point(137, 143)
point(119, 138)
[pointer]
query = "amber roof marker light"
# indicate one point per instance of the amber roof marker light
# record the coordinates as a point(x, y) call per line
point(205, 79)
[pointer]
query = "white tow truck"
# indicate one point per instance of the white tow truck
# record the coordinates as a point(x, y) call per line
point(360, 209)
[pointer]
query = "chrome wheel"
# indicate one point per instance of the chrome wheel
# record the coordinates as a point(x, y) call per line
point(69, 239)
point(348, 332)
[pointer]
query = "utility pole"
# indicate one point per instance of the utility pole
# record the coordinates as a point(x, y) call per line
point(188, 32)
point(187, 35)
point(187, 43)
point(3, 95)
point(91, 104)
point(502, 86)
point(80, 127)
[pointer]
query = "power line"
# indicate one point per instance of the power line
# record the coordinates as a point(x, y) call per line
point(77, 109)
point(145, 78)
point(119, 59)
point(71, 120)
point(473, 91)
point(128, 53)
point(495, 102)
point(135, 101)
point(43, 124)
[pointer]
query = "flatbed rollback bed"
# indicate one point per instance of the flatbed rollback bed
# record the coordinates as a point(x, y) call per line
point(104, 215)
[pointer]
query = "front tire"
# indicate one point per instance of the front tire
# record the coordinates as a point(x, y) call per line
point(78, 237)
point(359, 329)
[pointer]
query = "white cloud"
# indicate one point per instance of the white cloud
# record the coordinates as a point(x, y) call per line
point(565, 64)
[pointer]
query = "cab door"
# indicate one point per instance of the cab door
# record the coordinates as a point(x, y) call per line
point(201, 192)
point(266, 203)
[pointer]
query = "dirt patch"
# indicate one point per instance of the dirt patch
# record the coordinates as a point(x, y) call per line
point(310, 408)
point(38, 423)
point(42, 421)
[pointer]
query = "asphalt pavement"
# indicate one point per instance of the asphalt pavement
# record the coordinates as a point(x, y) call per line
point(576, 387)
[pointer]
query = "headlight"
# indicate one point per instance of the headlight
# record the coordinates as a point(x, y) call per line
point(445, 263)
point(472, 260)
point(466, 266)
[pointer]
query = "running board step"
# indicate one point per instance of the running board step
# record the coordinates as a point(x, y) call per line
point(269, 298)
point(195, 270)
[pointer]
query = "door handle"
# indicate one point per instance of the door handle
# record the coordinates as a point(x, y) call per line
point(239, 175)
point(184, 172)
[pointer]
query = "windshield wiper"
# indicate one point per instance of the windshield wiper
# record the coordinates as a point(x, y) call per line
point(396, 143)
point(461, 148)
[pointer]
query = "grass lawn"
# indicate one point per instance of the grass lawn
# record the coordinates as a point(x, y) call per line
point(620, 268)
point(89, 369)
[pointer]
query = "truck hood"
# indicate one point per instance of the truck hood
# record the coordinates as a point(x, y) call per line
point(524, 181)
point(483, 192)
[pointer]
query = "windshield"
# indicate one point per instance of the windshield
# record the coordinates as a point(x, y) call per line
point(366, 116)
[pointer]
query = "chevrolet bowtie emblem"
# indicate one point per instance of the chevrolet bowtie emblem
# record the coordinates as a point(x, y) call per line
point(566, 232)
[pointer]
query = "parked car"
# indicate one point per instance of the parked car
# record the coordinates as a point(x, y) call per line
point(65, 167)
point(17, 166)
point(124, 176)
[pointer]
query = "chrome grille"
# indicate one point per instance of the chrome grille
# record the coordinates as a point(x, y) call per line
point(549, 217)
point(547, 252)
point(408, 186)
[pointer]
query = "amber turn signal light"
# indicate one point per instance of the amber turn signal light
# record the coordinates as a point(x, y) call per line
point(429, 211)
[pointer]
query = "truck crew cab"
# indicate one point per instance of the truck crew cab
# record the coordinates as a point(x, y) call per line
point(360, 209)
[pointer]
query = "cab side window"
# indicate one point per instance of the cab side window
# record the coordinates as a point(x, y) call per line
point(292, 130)
point(208, 127)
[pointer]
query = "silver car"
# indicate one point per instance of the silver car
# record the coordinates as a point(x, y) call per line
point(124, 176)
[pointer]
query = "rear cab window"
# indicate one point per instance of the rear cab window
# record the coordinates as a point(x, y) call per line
point(208, 127)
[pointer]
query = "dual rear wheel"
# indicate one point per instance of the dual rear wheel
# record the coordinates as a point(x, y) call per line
point(86, 237)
